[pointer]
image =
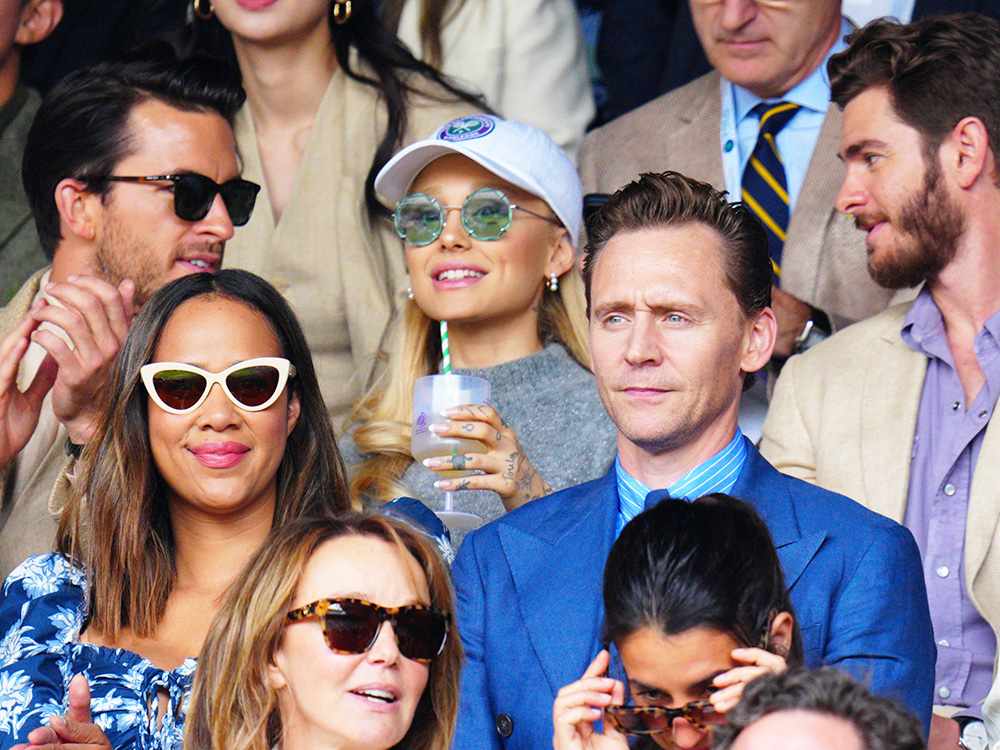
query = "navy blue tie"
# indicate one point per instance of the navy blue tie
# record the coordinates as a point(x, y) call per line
point(765, 188)
point(654, 498)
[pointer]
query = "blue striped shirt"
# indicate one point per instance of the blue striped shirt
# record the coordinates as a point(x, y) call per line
point(717, 474)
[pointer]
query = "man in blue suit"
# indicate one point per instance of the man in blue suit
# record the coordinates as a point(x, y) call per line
point(678, 291)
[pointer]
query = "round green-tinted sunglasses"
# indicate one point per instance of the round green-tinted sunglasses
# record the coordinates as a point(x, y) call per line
point(486, 215)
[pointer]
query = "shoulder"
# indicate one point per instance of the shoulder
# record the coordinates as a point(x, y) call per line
point(15, 310)
point(41, 575)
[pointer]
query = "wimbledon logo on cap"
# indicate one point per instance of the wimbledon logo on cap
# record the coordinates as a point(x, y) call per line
point(466, 128)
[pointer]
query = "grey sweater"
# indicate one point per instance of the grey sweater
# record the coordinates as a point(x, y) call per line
point(551, 402)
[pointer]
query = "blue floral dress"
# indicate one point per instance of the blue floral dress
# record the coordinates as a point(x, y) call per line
point(41, 614)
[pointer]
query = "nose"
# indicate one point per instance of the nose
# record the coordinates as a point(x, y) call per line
point(217, 221)
point(385, 650)
point(688, 737)
point(217, 412)
point(454, 235)
point(643, 342)
point(735, 14)
point(852, 195)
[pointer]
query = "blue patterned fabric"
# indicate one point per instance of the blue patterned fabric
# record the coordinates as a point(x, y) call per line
point(41, 613)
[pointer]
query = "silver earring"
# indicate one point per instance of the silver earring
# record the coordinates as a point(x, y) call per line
point(409, 292)
point(553, 283)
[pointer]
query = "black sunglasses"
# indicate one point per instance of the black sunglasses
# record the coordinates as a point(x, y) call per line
point(194, 194)
point(351, 626)
point(656, 719)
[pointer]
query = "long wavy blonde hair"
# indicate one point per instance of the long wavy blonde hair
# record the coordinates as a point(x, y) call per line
point(384, 414)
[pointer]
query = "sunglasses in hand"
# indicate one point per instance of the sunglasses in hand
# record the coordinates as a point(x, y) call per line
point(253, 385)
point(194, 194)
point(656, 719)
point(351, 626)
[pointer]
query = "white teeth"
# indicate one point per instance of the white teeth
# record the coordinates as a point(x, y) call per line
point(198, 262)
point(454, 274)
point(381, 695)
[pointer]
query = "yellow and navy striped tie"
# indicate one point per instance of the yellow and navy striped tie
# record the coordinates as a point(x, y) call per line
point(765, 189)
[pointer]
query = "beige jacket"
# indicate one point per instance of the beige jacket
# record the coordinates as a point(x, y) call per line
point(844, 415)
point(28, 522)
point(824, 260)
point(342, 278)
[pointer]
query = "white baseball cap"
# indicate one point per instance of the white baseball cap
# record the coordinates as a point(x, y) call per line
point(520, 154)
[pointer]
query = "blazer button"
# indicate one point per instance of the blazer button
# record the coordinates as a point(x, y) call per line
point(505, 725)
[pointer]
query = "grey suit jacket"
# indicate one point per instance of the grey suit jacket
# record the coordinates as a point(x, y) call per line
point(824, 261)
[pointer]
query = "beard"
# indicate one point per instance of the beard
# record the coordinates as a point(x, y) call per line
point(932, 224)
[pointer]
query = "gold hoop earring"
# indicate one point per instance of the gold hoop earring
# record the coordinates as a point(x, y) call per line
point(341, 11)
point(198, 6)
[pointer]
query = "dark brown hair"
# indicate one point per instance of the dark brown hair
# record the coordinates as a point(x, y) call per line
point(936, 71)
point(671, 199)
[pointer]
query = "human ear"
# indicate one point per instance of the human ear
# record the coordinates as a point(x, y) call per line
point(780, 636)
point(275, 673)
point(294, 409)
point(37, 21)
point(562, 256)
point(965, 151)
point(78, 208)
point(759, 338)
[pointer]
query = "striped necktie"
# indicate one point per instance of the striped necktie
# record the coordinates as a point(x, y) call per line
point(765, 189)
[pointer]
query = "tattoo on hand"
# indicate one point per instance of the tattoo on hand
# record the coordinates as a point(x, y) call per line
point(458, 462)
point(463, 485)
point(468, 427)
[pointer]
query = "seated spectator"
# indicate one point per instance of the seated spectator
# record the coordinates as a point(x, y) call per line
point(678, 282)
point(898, 411)
point(217, 431)
point(820, 709)
point(526, 57)
point(515, 317)
point(695, 607)
point(22, 23)
point(295, 659)
point(331, 95)
point(114, 237)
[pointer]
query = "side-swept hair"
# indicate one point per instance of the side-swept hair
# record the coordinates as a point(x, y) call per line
point(670, 199)
point(81, 129)
point(881, 723)
point(117, 524)
point(234, 707)
point(936, 71)
point(710, 563)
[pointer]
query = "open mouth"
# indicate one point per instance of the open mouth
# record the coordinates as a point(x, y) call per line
point(457, 274)
point(381, 696)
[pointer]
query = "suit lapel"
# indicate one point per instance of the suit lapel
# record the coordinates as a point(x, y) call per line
point(761, 485)
point(981, 522)
point(558, 569)
point(890, 400)
point(699, 126)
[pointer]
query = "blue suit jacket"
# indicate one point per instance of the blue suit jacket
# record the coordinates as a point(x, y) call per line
point(530, 609)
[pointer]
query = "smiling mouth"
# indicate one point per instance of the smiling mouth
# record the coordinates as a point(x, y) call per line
point(383, 696)
point(457, 274)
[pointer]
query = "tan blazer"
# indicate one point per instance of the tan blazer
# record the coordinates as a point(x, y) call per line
point(844, 416)
point(28, 522)
point(824, 261)
point(342, 277)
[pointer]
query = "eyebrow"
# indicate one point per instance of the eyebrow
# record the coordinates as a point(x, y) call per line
point(696, 687)
point(664, 306)
point(855, 148)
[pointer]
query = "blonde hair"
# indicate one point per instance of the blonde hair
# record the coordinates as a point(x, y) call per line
point(433, 18)
point(384, 414)
point(233, 704)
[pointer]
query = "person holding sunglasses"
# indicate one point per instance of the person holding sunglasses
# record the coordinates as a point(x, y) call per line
point(217, 432)
point(489, 211)
point(338, 634)
point(695, 607)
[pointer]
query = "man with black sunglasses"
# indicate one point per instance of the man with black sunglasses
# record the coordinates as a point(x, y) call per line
point(133, 179)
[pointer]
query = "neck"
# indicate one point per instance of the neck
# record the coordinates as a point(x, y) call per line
point(478, 345)
point(286, 83)
point(966, 291)
point(209, 550)
point(658, 468)
point(72, 258)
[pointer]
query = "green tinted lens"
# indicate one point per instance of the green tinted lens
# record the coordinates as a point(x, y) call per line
point(486, 214)
point(418, 219)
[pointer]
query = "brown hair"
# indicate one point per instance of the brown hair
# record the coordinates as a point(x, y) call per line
point(432, 21)
point(936, 71)
point(671, 199)
point(117, 524)
point(234, 706)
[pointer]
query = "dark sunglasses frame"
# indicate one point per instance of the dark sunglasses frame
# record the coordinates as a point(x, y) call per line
point(194, 194)
point(615, 716)
point(444, 210)
point(319, 609)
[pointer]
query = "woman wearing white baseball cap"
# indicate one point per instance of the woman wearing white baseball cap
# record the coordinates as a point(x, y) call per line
point(489, 211)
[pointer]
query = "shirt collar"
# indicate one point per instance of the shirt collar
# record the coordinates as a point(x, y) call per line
point(717, 474)
point(923, 328)
point(813, 93)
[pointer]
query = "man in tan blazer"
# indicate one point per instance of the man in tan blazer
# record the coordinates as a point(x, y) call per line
point(108, 170)
point(761, 51)
point(897, 411)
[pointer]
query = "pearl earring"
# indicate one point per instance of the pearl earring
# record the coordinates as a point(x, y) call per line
point(409, 292)
point(553, 283)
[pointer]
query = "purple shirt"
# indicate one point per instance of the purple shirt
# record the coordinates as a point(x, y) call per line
point(945, 449)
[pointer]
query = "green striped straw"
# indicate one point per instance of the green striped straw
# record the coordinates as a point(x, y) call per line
point(445, 350)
